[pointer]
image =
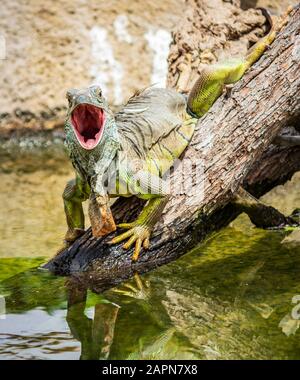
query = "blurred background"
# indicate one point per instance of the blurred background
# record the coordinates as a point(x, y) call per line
point(50, 46)
point(55, 45)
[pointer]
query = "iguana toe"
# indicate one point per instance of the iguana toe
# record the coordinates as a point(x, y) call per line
point(138, 234)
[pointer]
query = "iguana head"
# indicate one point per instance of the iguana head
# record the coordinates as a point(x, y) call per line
point(93, 141)
point(88, 116)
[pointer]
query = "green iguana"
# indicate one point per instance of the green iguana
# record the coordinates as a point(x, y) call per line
point(138, 145)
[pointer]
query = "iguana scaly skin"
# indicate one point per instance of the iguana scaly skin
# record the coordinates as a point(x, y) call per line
point(136, 147)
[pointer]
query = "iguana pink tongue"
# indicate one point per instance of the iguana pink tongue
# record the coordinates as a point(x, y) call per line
point(101, 218)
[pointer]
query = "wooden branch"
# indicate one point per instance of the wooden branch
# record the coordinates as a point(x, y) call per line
point(260, 214)
point(232, 143)
point(287, 140)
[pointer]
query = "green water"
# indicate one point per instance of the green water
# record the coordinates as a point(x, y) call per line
point(231, 298)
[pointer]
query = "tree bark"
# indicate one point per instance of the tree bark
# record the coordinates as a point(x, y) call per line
point(211, 30)
point(232, 145)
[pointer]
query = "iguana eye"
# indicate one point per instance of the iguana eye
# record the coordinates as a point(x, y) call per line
point(99, 93)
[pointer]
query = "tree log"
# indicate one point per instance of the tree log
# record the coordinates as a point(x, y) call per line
point(232, 142)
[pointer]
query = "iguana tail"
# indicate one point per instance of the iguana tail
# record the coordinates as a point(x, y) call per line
point(213, 79)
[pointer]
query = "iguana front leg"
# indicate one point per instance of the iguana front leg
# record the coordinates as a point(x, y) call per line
point(213, 79)
point(76, 192)
point(102, 221)
point(139, 231)
point(147, 186)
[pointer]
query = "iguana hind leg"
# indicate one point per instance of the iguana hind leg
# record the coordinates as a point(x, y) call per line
point(213, 79)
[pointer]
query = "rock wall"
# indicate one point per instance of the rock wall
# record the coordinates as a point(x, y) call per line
point(49, 46)
point(55, 45)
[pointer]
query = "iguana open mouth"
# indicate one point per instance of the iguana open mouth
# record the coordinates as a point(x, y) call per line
point(88, 124)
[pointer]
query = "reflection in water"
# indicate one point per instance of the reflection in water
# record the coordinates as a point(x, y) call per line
point(95, 334)
point(231, 298)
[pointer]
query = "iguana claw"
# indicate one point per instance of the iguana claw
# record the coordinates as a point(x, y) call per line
point(137, 233)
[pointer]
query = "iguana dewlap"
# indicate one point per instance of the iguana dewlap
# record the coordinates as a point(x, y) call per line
point(121, 154)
